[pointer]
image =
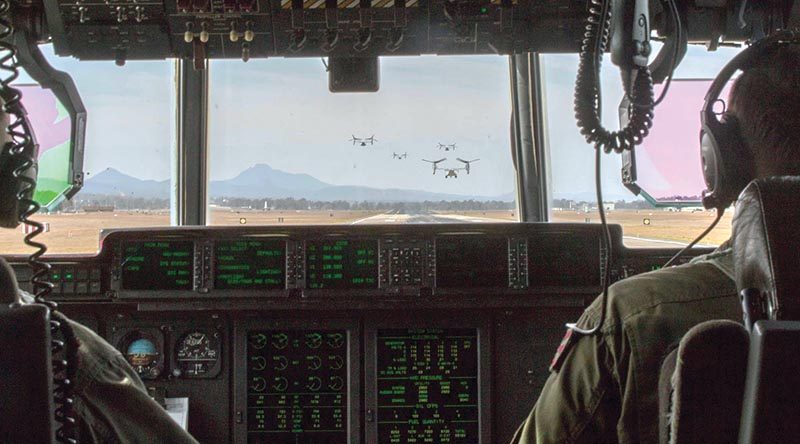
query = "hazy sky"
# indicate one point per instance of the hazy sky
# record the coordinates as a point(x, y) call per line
point(279, 112)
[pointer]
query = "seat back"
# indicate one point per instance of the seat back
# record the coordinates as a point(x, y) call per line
point(665, 396)
point(766, 244)
point(772, 391)
point(766, 256)
point(26, 373)
point(26, 376)
point(701, 385)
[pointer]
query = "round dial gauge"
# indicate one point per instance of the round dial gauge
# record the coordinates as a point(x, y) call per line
point(197, 353)
point(143, 355)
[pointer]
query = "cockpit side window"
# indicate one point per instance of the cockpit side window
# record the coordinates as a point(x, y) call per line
point(668, 162)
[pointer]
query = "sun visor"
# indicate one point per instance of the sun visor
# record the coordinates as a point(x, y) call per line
point(60, 163)
point(665, 169)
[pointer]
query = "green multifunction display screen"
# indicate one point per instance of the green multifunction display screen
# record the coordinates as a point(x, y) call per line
point(427, 382)
point(250, 264)
point(297, 387)
point(341, 264)
point(157, 265)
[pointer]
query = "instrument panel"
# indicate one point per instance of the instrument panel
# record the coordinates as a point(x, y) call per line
point(427, 385)
point(209, 262)
point(383, 334)
point(298, 385)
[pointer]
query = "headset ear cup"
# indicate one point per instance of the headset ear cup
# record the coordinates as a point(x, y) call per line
point(727, 165)
point(708, 157)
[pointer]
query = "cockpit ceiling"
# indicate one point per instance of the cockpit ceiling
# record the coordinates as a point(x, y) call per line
point(242, 29)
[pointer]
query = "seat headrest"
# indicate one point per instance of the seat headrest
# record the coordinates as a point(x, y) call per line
point(766, 243)
point(708, 382)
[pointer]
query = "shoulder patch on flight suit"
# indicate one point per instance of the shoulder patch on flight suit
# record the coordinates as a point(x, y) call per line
point(561, 351)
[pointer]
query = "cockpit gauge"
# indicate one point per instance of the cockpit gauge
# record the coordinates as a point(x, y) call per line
point(280, 384)
point(314, 340)
point(335, 362)
point(258, 384)
point(144, 353)
point(258, 363)
point(281, 363)
point(314, 383)
point(336, 383)
point(197, 354)
point(335, 340)
point(314, 362)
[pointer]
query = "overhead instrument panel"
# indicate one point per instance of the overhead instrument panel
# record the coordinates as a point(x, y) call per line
point(427, 386)
point(469, 261)
point(250, 264)
point(341, 264)
point(157, 265)
point(242, 29)
point(298, 386)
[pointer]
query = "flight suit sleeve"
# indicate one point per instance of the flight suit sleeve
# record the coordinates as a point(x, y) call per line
point(580, 400)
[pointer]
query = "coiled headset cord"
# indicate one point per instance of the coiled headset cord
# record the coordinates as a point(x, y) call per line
point(588, 113)
point(23, 148)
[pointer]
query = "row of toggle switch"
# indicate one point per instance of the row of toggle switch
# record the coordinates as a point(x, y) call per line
point(121, 13)
point(248, 35)
point(228, 6)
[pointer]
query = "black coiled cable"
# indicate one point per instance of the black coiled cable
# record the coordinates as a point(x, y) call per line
point(588, 94)
point(64, 375)
point(23, 149)
point(588, 114)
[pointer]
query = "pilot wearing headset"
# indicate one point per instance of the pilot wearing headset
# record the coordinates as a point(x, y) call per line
point(111, 404)
point(603, 388)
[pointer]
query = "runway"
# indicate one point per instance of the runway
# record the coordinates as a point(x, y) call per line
point(395, 217)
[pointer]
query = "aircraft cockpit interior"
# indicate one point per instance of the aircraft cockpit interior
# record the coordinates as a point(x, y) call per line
point(367, 221)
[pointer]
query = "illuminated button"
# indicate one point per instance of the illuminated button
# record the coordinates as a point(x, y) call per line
point(69, 275)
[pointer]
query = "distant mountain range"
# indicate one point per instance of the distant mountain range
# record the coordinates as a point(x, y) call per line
point(262, 181)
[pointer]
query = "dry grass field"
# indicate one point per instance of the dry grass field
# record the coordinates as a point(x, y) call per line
point(79, 233)
point(641, 227)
